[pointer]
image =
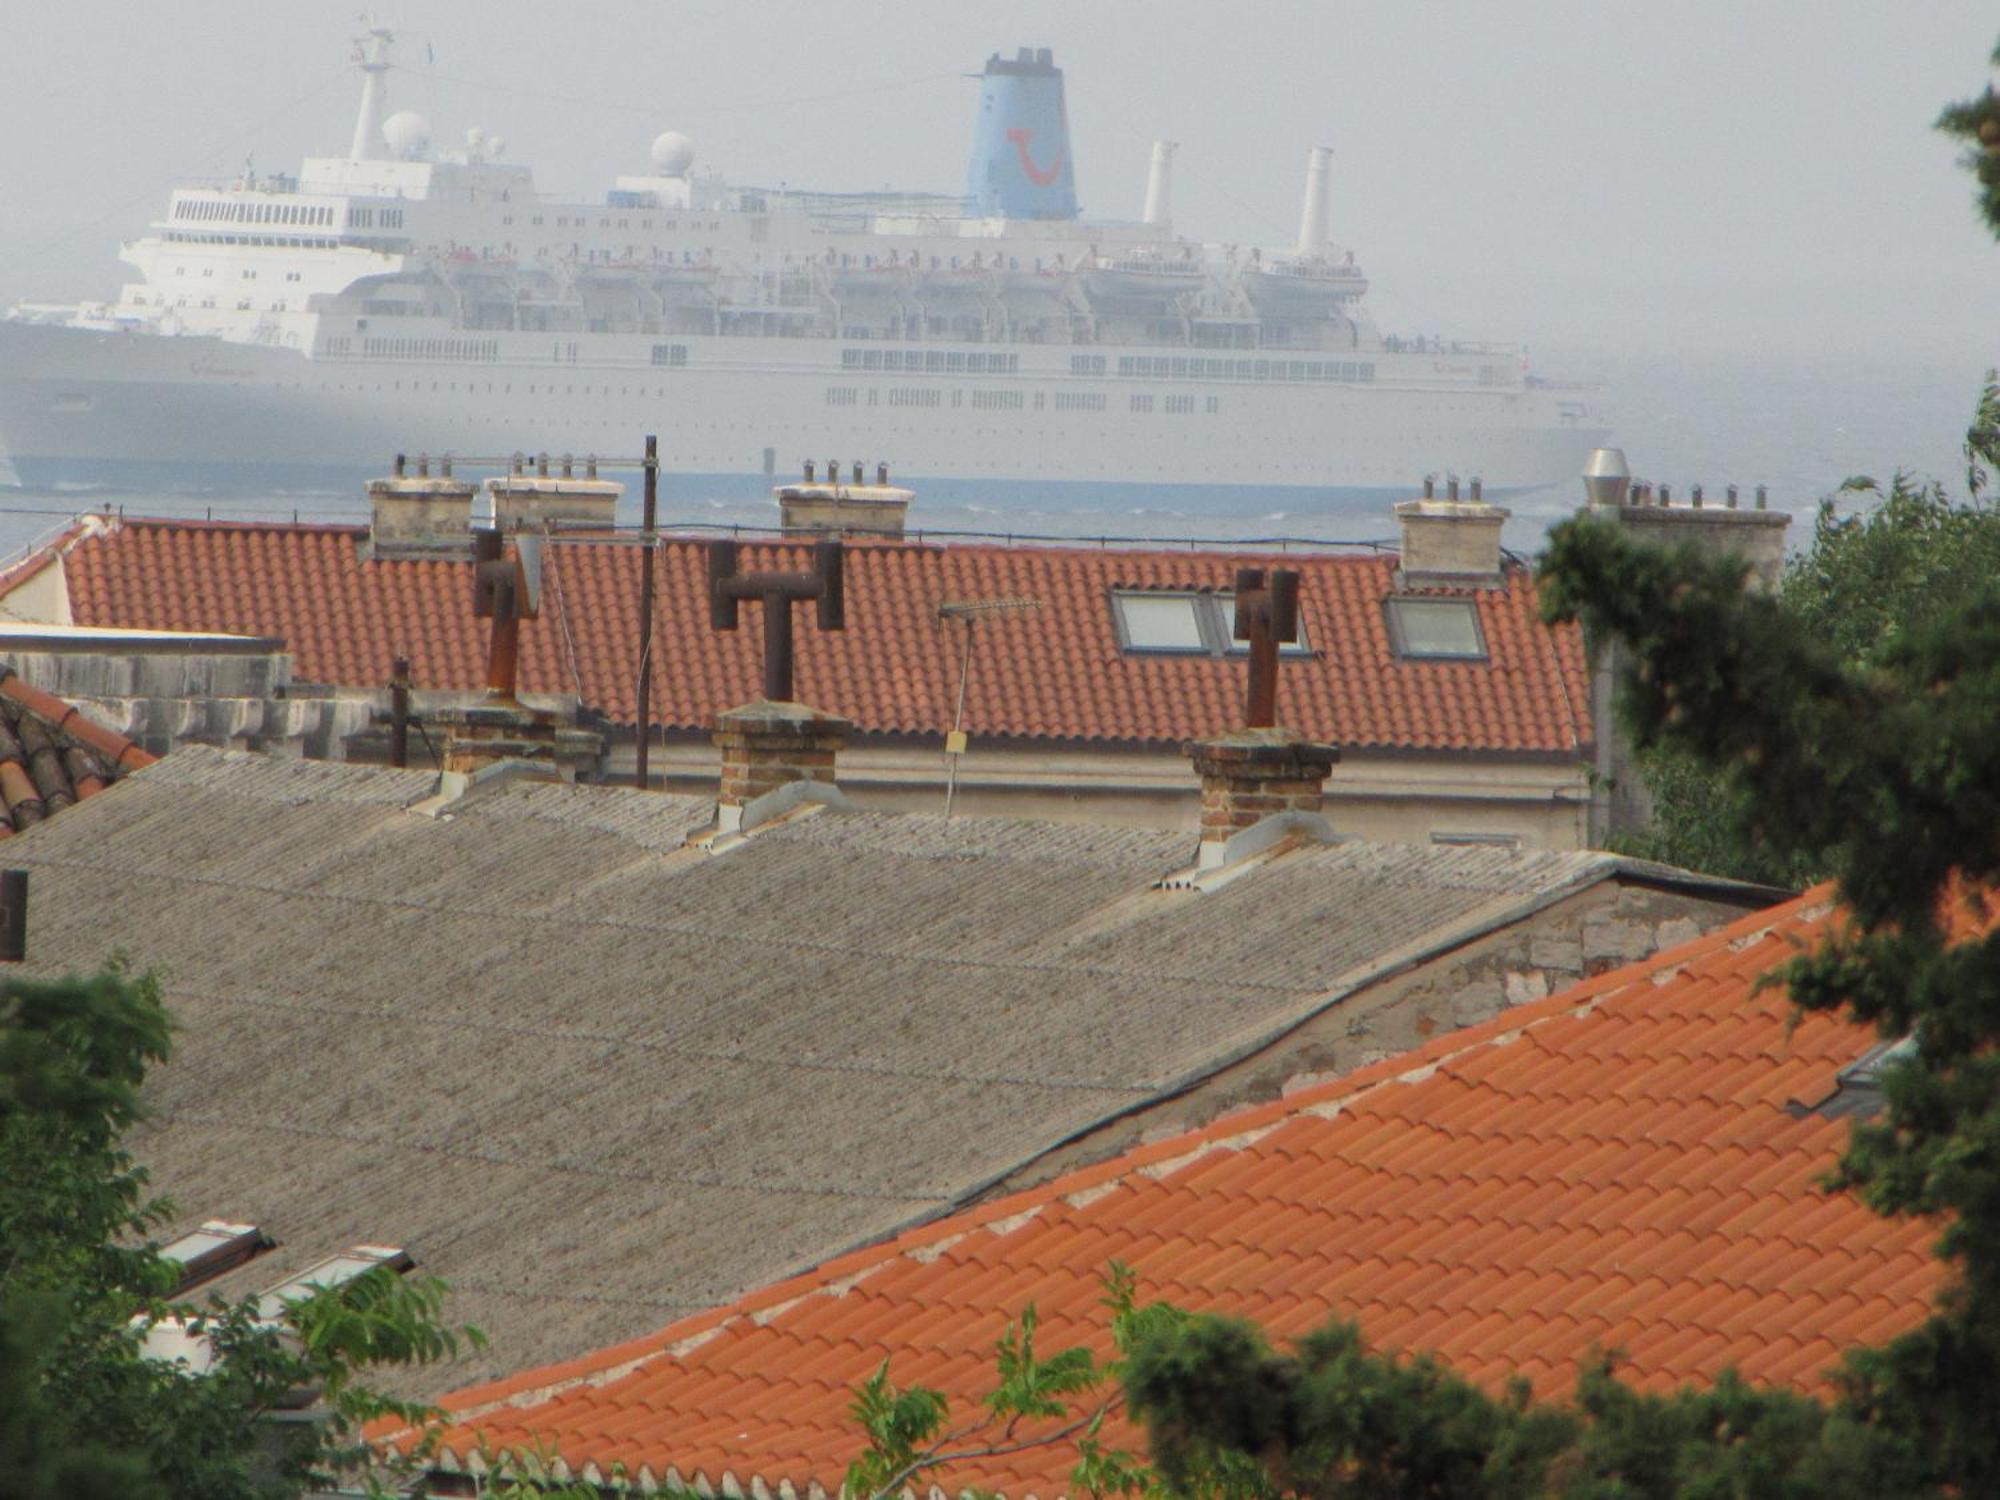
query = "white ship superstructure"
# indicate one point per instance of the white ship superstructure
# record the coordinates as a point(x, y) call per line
point(296, 329)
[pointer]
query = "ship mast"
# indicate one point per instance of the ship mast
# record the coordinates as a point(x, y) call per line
point(371, 54)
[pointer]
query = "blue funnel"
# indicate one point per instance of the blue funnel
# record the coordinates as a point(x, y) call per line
point(1020, 146)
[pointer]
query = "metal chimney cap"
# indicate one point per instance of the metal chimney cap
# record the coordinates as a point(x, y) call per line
point(1606, 478)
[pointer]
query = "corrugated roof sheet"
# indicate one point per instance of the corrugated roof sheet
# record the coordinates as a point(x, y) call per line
point(1057, 673)
point(1620, 1167)
point(597, 1079)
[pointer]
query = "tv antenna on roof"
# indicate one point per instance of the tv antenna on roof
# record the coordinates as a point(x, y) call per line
point(970, 611)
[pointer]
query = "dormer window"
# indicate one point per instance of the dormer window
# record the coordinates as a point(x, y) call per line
point(1430, 629)
point(1185, 622)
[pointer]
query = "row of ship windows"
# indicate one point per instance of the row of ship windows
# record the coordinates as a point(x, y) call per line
point(582, 222)
point(286, 242)
point(308, 215)
point(950, 362)
point(482, 350)
point(927, 396)
point(1177, 367)
point(209, 209)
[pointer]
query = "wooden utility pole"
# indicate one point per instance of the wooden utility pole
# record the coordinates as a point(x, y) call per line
point(650, 516)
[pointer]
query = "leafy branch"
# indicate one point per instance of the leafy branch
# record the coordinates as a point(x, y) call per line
point(1037, 1403)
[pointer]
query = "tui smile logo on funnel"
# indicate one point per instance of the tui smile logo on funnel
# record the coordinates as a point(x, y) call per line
point(1039, 176)
point(1021, 166)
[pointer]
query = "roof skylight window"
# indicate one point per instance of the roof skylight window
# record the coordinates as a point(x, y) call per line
point(1160, 622)
point(1185, 622)
point(205, 1253)
point(1436, 629)
point(335, 1270)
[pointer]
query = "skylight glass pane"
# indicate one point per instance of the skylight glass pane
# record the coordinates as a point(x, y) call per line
point(1225, 605)
point(1160, 622)
point(207, 1252)
point(1437, 627)
point(334, 1271)
point(194, 1245)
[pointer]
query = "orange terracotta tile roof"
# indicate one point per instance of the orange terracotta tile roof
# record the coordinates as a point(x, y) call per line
point(1056, 674)
point(52, 756)
point(1630, 1165)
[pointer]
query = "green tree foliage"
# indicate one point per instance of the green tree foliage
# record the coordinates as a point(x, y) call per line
point(1038, 1403)
point(1334, 1420)
point(1875, 757)
point(1910, 556)
point(1976, 121)
point(82, 1412)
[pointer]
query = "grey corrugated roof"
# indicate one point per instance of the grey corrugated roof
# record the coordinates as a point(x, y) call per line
point(596, 1078)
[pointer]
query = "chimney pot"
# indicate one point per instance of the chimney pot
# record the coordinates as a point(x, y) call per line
point(882, 474)
point(444, 466)
point(568, 467)
point(1430, 488)
point(1695, 496)
point(531, 502)
point(857, 471)
point(765, 747)
point(1608, 482)
point(809, 471)
point(833, 471)
point(1731, 497)
point(520, 459)
point(590, 467)
point(416, 514)
point(1251, 775)
point(1475, 487)
point(1451, 487)
point(1451, 539)
point(1760, 497)
point(1666, 497)
point(423, 466)
point(542, 465)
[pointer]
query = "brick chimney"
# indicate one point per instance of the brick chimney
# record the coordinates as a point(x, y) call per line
point(420, 514)
point(1251, 775)
point(544, 493)
point(834, 508)
point(1449, 540)
point(774, 756)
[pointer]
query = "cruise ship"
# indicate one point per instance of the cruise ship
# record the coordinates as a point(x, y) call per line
point(292, 332)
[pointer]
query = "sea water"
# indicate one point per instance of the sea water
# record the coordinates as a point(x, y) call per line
point(1799, 424)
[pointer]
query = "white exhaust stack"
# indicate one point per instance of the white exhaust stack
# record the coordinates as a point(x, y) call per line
point(1315, 227)
point(1160, 186)
point(372, 56)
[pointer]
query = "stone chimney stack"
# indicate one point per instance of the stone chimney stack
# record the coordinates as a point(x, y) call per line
point(1757, 536)
point(1451, 541)
point(1621, 803)
point(832, 508)
point(768, 750)
point(420, 513)
point(549, 493)
point(1250, 775)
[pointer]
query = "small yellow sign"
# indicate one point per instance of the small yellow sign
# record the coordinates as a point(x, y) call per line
point(954, 742)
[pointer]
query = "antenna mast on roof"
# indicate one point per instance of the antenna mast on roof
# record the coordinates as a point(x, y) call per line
point(970, 610)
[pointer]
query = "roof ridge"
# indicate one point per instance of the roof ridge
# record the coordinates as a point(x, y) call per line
point(1157, 1159)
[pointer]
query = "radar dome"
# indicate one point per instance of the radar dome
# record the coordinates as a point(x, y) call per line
point(673, 154)
point(408, 134)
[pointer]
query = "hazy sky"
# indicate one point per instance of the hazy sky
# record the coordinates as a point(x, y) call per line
point(1577, 173)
